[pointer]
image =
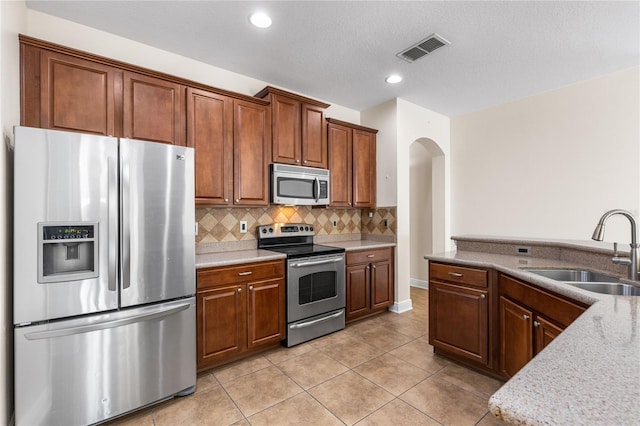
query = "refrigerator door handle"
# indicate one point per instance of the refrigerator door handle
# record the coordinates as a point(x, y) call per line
point(113, 222)
point(69, 331)
point(125, 225)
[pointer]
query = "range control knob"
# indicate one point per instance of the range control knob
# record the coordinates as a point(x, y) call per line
point(271, 230)
point(311, 228)
point(306, 228)
point(264, 230)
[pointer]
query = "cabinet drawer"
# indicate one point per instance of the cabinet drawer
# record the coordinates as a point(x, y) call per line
point(354, 257)
point(239, 273)
point(551, 306)
point(458, 274)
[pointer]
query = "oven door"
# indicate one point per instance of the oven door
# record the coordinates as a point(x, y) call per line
point(315, 285)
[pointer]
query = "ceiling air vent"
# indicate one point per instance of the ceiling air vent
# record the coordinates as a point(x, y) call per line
point(422, 48)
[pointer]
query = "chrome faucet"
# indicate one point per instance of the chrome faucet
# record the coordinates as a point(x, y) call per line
point(632, 261)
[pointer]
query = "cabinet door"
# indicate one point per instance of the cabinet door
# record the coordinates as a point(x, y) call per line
point(545, 332)
point(364, 169)
point(220, 323)
point(77, 95)
point(381, 284)
point(266, 312)
point(314, 137)
point(458, 320)
point(516, 336)
point(153, 109)
point(340, 165)
point(286, 130)
point(251, 153)
point(358, 288)
point(210, 133)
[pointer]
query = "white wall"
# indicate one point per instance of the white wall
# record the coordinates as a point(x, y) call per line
point(384, 118)
point(549, 165)
point(12, 22)
point(420, 182)
point(71, 34)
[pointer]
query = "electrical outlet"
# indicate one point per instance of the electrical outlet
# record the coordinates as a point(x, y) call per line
point(386, 223)
point(243, 226)
point(335, 223)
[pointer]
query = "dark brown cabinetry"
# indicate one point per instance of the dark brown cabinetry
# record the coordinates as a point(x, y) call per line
point(153, 109)
point(459, 311)
point(530, 319)
point(240, 309)
point(352, 163)
point(299, 135)
point(370, 282)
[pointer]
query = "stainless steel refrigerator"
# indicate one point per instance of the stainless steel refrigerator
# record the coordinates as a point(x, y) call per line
point(104, 276)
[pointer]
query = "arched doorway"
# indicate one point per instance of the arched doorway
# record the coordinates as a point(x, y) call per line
point(427, 206)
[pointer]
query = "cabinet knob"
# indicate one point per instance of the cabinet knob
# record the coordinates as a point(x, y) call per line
point(239, 289)
point(349, 203)
point(305, 161)
point(237, 200)
point(226, 200)
point(482, 296)
point(297, 161)
point(373, 266)
point(526, 317)
point(250, 288)
point(536, 324)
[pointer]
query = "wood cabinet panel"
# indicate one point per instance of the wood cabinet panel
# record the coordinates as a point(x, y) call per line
point(340, 164)
point(220, 324)
point(458, 320)
point(516, 339)
point(545, 331)
point(364, 173)
point(239, 273)
point(252, 150)
point(210, 133)
point(358, 289)
point(77, 95)
point(314, 137)
point(459, 274)
point(266, 312)
point(153, 109)
point(369, 255)
point(286, 130)
point(381, 284)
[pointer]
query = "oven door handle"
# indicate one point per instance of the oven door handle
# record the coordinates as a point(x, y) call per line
point(315, 321)
point(317, 262)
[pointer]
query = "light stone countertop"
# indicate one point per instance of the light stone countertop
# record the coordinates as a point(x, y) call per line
point(225, 258)
point(590, 374)
point(356, 245)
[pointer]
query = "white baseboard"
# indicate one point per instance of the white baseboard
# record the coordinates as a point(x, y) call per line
point(414, 282)
point(400, 307)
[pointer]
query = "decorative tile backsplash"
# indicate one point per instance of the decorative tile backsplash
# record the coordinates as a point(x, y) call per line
point(217, 225)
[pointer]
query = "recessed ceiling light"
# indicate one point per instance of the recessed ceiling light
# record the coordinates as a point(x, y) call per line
point(260, 20)
point(393, 79)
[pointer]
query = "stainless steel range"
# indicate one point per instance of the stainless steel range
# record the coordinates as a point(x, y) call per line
point(315, 280)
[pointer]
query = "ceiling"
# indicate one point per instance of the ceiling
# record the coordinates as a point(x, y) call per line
point(341, 51)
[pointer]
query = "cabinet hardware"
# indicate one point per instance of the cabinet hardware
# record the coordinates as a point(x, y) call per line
point(297, 161)
point(305, 161)
point(239, 290)
point(526, 317)
point(373, 266)
point(455, 274)
point(237, 200)
point(250, 288)
point(482, 296)
point(242, 274)
point(226, 200)
point(371, 255)
point(536, 324)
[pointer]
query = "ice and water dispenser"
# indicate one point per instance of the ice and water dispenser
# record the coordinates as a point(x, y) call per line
point(67, 251)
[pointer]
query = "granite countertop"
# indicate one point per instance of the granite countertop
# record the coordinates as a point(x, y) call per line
point(590, 374)
point(209, 260)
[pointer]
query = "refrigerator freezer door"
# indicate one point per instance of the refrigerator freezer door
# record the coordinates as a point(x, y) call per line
point(157, 228)
point(87, 370)
point(65, 182)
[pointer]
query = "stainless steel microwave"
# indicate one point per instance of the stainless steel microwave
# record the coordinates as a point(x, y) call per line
point(297, 185)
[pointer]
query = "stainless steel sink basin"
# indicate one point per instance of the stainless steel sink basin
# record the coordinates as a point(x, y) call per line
point(575, 275)
point(616, 289)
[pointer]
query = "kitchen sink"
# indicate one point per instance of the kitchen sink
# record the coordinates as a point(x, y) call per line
point(616, 289)
point(575, 275)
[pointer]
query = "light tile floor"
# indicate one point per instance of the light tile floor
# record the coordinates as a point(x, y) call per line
point(378, 371)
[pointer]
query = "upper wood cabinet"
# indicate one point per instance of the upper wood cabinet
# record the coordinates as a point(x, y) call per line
point(251, 153)
point(210, 133)
point(352, 163)
point(153, 109)
point(63, 92)
point(299, 135)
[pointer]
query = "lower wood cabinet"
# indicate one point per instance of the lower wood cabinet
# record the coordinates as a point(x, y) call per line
point(240, 309)
point(370, 282)
point(530, 319)
point(459, 311)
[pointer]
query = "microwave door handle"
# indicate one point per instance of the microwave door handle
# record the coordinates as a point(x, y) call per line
point(317, 190)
